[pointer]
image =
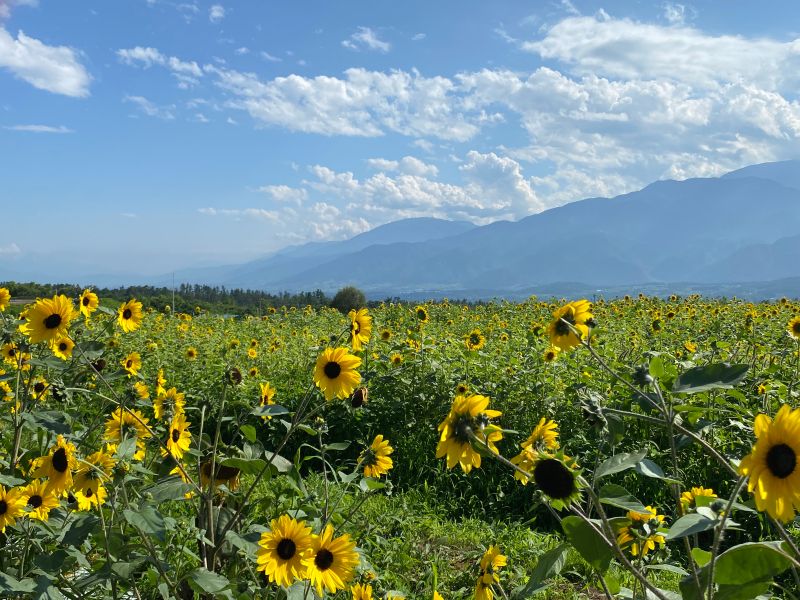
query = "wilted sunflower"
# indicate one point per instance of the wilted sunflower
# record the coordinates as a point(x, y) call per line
point(88, 303)
point(331, 562)
point(57, 465)
point(39, 499)
point(171, 401)
point(180, 438)
point(468, 415)
point(475, 340)
point(544, 434)
point(5, 299)
point(422, 314)
point(335, 372)
point(376, 459)
point(772, 465)
point(132, 363)
point(48, 319)
point(282, 549)
point(12, 505)
point(643, 533)
point(62, 347)
point(361, 591)
point(689, 498)
point(360, 328)
point(359, 398)
point(129, 315)
point(575, 314)
point(794, 328)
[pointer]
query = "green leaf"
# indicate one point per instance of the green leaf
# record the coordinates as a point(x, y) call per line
point(249, 433)
point(250, 466)
point(172, 488)
point(336, 446)
point(368, 484)
point(9, 481)
point(549, 565)
point(688, 525)
point(619, 462)
point(750, 562)
point(148, 520)
point(616, 495)
point(701, 557)
point(202, 580)
point(710, 377)
point(269, 410)
point(45, 591)
point(589, 544)
point(667, 567)
point(79, 529)
point(282, 464)
point(307, 429)
point(12, 585)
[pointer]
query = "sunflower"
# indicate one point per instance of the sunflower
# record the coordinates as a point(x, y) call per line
point(191, 353)
point(331, 562)
point(772, 464)
point(544, 434)
point(6, 393)
point(95, 467)
point(171, 401)
point(48, 319)
point(126, 423)
point(57, 466)
point(252, 353)
point(574, 315)
point(161, 383)
point(132, 363)
point(252, 372)
point(396, 359)
point(475, 340)
point(468, 416)
point(690, 347)
point(62, 347)
point(376, 459)
point(267, 397)
point(5, 299)
point(12, 505)
point(40, 500)
point(180, 438)
point(129, 315)
point(91, 496)
point(643, 533)
point(335, 373)
point(556, 475)
point(228, 476)
point(491, 562)
point(361, 591)
point(551, 354)
point(360, 328)
point(282, 550)
point(88, 303)
point(142, 391)
point(422, 314)
point(386, 335)
point(689, 498)
point(39, 388)
point(794, 328)
point(9, 352)
point(462, 388)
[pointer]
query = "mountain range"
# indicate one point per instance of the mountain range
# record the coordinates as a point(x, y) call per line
point(713, 235)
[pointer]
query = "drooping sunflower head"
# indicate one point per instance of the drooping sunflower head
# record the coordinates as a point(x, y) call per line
point(375, 459)
point(129, 315)
point(224, 475)
point(491, 563)
point(48, 319)
point(88, 303)
point(469, 416)
point(359, 397)
point(282, 549)
point(557, 476)
point(332, 561)
point(772, 466)
point(335, 373)
point(126, 423)
point(360, 328)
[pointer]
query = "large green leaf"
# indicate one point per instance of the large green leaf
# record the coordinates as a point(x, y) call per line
point(619, 462)
point(79, 529)
point(589, 544)
point(172, 488)
point(616, 495)
point(148, 520)
point(688, 525)
point(716, 376)
point(549, 564)
point(202, 580)
point(12, 585)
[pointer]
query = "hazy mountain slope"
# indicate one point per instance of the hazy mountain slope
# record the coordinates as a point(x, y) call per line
point(786, 172)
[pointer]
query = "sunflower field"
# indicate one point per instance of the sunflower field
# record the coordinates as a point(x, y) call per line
point(635, 448)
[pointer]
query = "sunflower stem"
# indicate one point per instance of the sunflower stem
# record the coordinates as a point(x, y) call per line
point(718, 534)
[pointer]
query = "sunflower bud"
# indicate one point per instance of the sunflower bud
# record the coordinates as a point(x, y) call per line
point(359, 398)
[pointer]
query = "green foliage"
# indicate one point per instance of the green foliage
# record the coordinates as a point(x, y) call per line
point(348, 298)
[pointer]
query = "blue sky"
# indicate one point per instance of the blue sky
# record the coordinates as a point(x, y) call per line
point(141, 136)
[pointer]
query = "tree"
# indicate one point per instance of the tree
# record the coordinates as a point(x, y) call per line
point(348, 298)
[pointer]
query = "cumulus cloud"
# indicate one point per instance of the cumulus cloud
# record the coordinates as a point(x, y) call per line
point(408, 164)
point(187, 73)
point(216, 13)
point(54, 69)
point(150, 109)
point(284, 193)
point(269, 57)
point(240, 213)
point(7, 5)
point(366, 38)
point(40, 128)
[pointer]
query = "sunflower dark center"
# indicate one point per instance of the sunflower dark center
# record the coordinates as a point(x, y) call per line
point(462, 428)
point(796, 328)
point(52, 321)
point(421, 314)
point(176, 435)
point(781, 460)
point(3, 507)
point(324, 559)
point(38, 387)
point(332, 370)
point(35, 501)
point(286, 548)
point(554, 479)
point(129, 363)
point(88, 493)
point(63, 346)
point(562, 328)
point(474, 339)
point(60, 462)
point(126, 314)
point(12, 352)
point(85, 301)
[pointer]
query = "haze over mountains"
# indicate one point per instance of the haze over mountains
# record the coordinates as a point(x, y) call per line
point(713, 233)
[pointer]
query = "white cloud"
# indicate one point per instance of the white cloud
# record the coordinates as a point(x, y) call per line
point(382, 164)
point(675, 13)
point(40, 128)
point(146, 57)
point(150, 109)
point(366, 38)
point(216, 13)
point(408, 164)
point(187, 73)
point(284, 193)
point(242, 51)
point(268, 57)
point(7, 5)
point(239, 213)
point(54, 69)
point(10, 249)
point(418, 37)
